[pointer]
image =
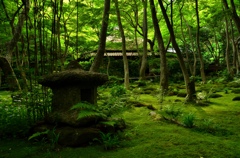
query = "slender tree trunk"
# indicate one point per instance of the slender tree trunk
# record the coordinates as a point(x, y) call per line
point(163, 59)
point(191, 64)
point(190, 86)
point(198, 46)
point(136, 25)
point(9, 74)
point(35, 41)
point(125, 60)
point(234, 14)
point(232, 39)
point(103, 34)
point(108, 64)
point(237, 49)
point(227, 47)
point(59, 49)
point(5, 62)
point(145, 40)
point(20, 68)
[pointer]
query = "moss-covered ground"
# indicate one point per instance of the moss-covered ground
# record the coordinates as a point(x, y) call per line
point(215, 134)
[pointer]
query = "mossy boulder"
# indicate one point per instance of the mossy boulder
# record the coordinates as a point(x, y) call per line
point(74, 137)
point(172, 92)
point(215, 95)
point(139, 104)
point(236, 90)
point(237, 98)
point(177, 100)
point(150, 90)
point(234, 84)
point(141, 83)
point(112, 125)
point(182, 94)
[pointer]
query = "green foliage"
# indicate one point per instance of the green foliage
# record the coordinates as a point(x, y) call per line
point(188, 120)
point(115, 102)
point(37, 102)
point(207, 94)
point(118, 91)
point(114, 80)
point(206, 125)
point(53, 137)
point(20, 111)
point(226, 90)
point(86, 65)
point(108, 140)
point(13, 121)
point(141, 83)
point(88, 110)
point(171, 111)
point(13, 118)
point(225, 76)
point(175, 74)
point(115, 105)
point(38, 134)
point(236, 91)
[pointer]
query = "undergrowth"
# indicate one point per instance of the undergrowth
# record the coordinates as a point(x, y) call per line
point(211, 129)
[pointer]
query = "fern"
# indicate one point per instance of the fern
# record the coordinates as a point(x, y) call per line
point(35, 135)
point(88, 110)
point(110, 123)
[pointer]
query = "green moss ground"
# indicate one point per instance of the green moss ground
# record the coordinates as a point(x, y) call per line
point(148, 138)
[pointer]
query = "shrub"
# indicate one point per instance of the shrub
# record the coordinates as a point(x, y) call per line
point(171, 111)
point(117, 91)
point(141, 83)
point(206, 126)
point(188, 120)
point(108, 140)
point(26, 108)
point(114, 80)
point(13, 121)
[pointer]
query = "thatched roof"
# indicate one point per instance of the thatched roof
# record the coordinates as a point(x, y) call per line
point(76, 77)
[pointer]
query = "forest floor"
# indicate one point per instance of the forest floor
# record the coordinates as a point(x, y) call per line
point(215, 133)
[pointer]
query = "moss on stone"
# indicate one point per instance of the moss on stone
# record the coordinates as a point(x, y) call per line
point(74, 77)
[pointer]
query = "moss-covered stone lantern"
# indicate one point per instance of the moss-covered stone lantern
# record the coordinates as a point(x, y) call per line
point(70, 87)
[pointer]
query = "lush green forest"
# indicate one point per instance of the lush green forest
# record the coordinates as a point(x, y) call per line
point(151, 65)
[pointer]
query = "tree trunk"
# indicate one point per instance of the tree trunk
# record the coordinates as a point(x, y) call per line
point(190, 86)
point(163, 59)
point(227, 47)
point(103, 34)
point(198, 46)
point(192, 67)
point(125, 60)
point(9, 74)
point(145, 40)
point(234, 14)
point(5, 62)
point(237, 49)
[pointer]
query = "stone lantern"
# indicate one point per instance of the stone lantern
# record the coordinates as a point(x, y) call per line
point(70, 87)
